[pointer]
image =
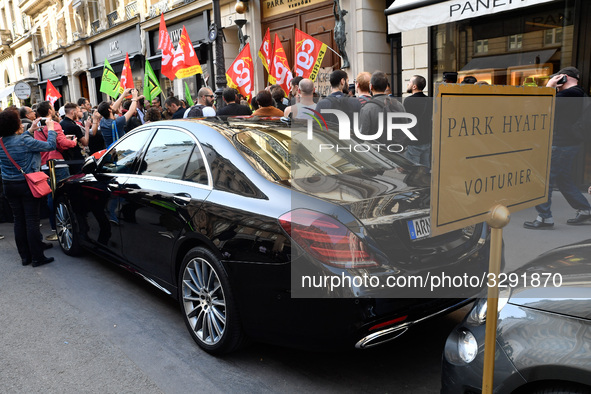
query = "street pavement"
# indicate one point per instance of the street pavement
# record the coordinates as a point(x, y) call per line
point(85, 326)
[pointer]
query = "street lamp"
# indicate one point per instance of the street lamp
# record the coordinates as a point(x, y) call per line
point(220, 65)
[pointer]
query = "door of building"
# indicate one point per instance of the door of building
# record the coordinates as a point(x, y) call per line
point(317, 22)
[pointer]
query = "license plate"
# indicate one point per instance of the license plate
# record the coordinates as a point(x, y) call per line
point(419, 228)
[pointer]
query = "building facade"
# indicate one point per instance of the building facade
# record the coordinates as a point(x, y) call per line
point(519, 43)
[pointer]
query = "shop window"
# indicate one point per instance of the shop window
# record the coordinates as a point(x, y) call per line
point(480, 46)
point(553, 36)
point(515, 41)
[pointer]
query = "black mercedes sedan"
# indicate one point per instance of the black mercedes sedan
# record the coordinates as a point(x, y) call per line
point(262, 231)
point(543, 342)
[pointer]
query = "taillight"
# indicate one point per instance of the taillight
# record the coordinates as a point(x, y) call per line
point(327, 239)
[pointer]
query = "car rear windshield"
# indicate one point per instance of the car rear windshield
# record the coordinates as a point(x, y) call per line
point(286, 154)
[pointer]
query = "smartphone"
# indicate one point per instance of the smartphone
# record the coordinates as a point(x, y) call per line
point(562, 80)
point(42, 121)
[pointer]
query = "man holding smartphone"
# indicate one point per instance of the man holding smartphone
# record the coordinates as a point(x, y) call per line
point(565, 147)
point(110, 126)
point(73, 130)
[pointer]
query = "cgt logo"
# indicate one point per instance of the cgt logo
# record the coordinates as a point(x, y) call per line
point(394, 121)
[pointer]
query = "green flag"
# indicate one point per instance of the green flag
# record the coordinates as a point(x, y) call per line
point(151, 86)
point(188, 95)
point(109, 82)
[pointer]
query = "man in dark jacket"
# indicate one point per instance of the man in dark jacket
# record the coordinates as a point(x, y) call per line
point(337, 99)
point(377, 108)
point(232, 108)
point(420, 106)
point(174, 107)
point(565, 147)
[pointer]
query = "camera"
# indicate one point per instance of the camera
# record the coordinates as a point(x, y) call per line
point(562, 80)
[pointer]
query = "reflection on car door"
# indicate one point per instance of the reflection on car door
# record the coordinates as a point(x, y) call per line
point(158, 203)
point(102, 192)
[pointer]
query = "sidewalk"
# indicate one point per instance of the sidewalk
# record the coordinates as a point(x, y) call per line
point(522, 245)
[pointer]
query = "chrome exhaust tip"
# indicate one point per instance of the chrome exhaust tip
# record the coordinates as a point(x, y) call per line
point(377, 338)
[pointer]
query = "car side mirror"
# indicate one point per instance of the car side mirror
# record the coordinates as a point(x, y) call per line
point(90, 165)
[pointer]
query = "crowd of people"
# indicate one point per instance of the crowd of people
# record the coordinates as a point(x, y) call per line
point(34, 135)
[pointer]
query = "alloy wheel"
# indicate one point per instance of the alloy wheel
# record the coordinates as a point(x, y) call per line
point(63, 226)
point(204, 302)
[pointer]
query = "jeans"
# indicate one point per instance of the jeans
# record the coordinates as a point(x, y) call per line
point(60, 175)
point(420, 154)
point(561, 177)
point(25, 209)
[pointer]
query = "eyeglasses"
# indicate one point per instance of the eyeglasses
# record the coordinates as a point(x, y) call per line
point(208, 95)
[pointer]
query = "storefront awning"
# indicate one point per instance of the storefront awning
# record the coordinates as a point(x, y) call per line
point(509, 60)
point(6, 92)
point(406, 15)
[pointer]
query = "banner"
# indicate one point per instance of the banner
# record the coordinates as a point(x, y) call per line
point(280, 73)
point(188, 97)
point(185, 62)
point(165, 44)
point(51, 93)
point(309, 53)
point(265, 50)
point(151, 86)
point(109, 82)
point(240, 74)
point(126, 75)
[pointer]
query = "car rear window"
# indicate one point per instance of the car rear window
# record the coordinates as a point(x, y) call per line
point(284, 155)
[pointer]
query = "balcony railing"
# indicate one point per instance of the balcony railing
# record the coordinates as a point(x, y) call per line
point(112, 18)
point(95, 26)
point(131, 10)
point(160, 7)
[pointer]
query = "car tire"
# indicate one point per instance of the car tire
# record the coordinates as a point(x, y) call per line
point(67, 236)
point(207, 303)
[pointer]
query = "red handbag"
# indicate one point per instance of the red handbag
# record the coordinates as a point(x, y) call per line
point(37, 181)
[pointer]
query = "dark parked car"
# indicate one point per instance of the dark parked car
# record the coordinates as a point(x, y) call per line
point(543, 342)
point(227, 217)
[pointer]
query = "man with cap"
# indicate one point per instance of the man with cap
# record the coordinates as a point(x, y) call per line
point(565, 147)
point(450, 77)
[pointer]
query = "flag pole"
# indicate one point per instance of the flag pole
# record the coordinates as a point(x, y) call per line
point(335, 52)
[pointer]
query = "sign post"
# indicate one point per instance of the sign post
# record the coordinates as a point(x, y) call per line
point(491, 156)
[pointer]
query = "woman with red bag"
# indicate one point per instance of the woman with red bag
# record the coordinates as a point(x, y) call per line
point(24, 150)
point(63, 143)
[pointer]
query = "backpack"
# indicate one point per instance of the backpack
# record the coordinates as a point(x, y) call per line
point(386, 106)
point(196, 111)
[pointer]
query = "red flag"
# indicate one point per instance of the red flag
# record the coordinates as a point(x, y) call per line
point(126, 75)
point(165, 45)
point(280, 73)
point(185, 62)
point(309, 53)
point(51, 93)
point(265, 51)
point(241, 72)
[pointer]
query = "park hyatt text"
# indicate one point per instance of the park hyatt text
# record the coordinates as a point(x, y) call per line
point(484, 125)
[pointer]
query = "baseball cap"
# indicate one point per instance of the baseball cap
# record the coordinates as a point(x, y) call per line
point(570, 71)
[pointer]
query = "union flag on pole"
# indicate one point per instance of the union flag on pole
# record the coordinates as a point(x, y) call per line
point(309, 53)
point(185, 62)
point(240, 74)
point(51, 93)
point(280, 73)
point(265, 51)
point(165, 44)
point(126, 75)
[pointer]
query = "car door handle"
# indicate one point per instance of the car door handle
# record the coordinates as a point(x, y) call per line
point(182, 198)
